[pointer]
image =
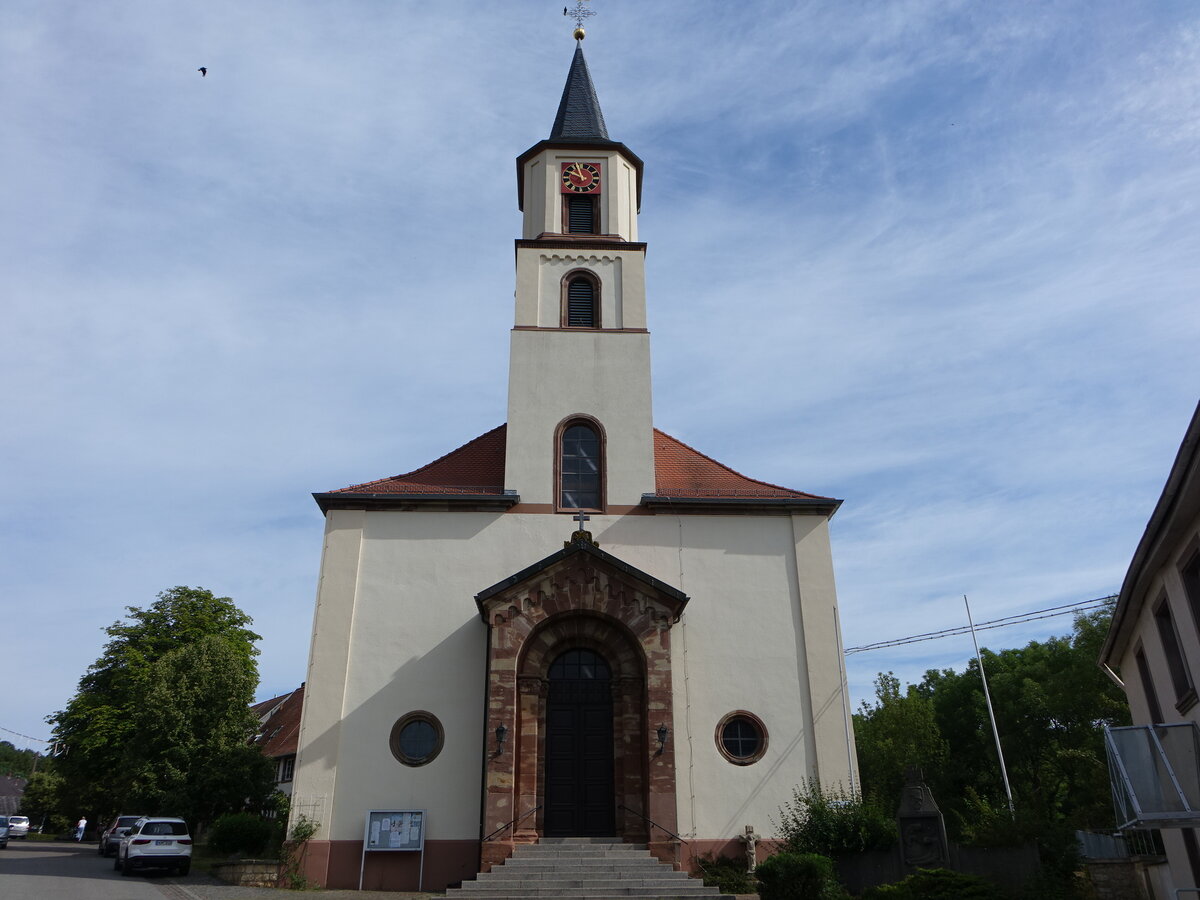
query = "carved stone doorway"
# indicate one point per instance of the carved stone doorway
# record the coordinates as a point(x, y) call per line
point(578, 760)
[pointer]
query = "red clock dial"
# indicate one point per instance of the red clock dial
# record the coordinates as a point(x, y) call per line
point(580, 178)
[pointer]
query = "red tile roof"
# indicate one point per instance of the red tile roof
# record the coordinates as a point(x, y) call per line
point(279, 733)
point(681, 471)
point(477, 467)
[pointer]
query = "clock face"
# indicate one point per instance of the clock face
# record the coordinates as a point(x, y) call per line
point(580, 178)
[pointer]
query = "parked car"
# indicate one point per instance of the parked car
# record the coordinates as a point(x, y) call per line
point(3, 832)
point(18, 826)
point(155, 842)
point(110, 838)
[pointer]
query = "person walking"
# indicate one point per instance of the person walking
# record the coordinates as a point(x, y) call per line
point(79, 827)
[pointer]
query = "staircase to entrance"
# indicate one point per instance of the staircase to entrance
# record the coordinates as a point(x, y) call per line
point(583, 869)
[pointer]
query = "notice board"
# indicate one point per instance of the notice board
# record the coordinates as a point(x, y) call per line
point(395, 829)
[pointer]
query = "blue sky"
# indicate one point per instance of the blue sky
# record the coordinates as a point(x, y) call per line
point(937, 258)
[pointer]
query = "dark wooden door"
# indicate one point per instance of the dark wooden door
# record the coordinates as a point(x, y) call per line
point(579, 747)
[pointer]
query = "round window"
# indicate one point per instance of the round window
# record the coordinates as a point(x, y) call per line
point(742, 738)
point(417, 738)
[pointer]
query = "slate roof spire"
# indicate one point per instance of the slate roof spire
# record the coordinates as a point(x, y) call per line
point(579, 117)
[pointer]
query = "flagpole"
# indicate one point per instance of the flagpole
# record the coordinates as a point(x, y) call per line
point(987, 696)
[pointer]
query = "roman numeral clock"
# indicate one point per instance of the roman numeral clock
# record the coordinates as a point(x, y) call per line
point(580, 178)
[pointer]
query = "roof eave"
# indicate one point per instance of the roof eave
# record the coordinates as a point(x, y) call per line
point(814, 506)
point(551, 144)
point(1183, 480)
point(415, 501)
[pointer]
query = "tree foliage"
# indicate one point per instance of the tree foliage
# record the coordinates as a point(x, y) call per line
point(900, 730)
point(161, 721)
point(1051, 702)
point(18, 763)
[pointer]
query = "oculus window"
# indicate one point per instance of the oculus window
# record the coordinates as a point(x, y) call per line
point(417, 738)
point(741, 738)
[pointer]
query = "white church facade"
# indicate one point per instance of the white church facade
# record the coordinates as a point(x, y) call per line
point(573, 624)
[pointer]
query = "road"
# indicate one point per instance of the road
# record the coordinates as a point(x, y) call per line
point(67, 871)
point(62, 870)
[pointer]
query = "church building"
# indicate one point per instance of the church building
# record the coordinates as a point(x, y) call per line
point(573, 624)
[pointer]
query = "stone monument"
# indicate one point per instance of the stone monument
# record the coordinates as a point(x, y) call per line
point(922, 828)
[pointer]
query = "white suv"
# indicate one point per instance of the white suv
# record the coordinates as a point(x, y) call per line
point(155, 842)
point(18, 826)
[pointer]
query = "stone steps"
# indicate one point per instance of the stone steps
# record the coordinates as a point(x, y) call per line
point(583, 869)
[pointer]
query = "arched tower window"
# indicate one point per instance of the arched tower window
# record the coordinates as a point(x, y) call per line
point(580, 466)
point(581, 301)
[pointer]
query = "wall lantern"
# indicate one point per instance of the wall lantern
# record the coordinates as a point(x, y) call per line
point(662, 733)
point(501, 734)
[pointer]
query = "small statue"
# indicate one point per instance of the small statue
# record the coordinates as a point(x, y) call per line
point(750, 839)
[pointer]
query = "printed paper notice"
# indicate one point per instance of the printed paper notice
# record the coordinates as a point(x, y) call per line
point(374, 832)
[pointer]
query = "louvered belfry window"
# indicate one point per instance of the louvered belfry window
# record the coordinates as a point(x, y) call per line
point(581, 215)
point(579, 468)
point(581, 303)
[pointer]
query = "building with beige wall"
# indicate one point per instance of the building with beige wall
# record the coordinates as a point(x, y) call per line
point(573, 624)
point(1154, 643)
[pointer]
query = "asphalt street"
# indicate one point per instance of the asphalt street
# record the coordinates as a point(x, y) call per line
point(63, 870)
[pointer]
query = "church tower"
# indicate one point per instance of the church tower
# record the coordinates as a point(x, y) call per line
point(580, 433)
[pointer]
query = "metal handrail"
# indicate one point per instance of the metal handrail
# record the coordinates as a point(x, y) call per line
point(510, 824)
point(652, 822)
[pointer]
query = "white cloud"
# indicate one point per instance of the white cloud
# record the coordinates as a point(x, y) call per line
point(935, 257)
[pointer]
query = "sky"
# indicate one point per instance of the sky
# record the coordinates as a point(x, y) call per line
point(938, 258)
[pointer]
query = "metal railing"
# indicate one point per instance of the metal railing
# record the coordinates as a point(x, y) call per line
point(652, 823)
point(511, 824)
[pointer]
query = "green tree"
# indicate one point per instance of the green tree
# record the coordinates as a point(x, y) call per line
point(42, 800)
point(161, 721)
point(898, 731)
point(18, 763)
point(1051, 702)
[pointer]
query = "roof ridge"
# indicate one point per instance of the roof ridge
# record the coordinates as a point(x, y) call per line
point(427, 465)
point(731, 470)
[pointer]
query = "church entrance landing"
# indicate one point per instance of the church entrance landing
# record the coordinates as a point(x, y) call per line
point(579, 675)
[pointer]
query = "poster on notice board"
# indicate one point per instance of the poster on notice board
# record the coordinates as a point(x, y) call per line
point(395, 829)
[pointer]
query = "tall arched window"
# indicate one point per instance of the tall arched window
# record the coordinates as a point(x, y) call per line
point(581, 303)
point(580, 469)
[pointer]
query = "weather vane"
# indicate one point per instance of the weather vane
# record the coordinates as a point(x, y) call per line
point(579, 13)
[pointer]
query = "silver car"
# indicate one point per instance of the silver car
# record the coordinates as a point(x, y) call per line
point(18, 827)
point(3, 832)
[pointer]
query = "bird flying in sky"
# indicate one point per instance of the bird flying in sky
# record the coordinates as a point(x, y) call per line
point(203, 70)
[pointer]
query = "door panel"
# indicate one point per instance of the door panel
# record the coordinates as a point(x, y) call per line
point(579, 749)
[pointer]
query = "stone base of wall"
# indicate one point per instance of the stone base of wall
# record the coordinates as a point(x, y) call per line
point(1120, 879)
point(248, 872)
point(336, 864)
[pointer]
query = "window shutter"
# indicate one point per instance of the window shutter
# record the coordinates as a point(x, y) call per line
point(581, 215)
point(581, 304)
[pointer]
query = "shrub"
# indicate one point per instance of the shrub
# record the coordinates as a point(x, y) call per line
point(833, 822)
point(936, 884)
point(727, 873)
point(798, 876)
point(291, 870)
point(242, 834)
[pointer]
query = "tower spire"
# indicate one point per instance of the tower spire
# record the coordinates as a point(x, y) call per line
point(579, 117)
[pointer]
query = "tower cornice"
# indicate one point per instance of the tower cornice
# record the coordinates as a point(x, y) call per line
point(598, 146)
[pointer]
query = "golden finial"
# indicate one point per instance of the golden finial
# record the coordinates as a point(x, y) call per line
point(579, 13)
